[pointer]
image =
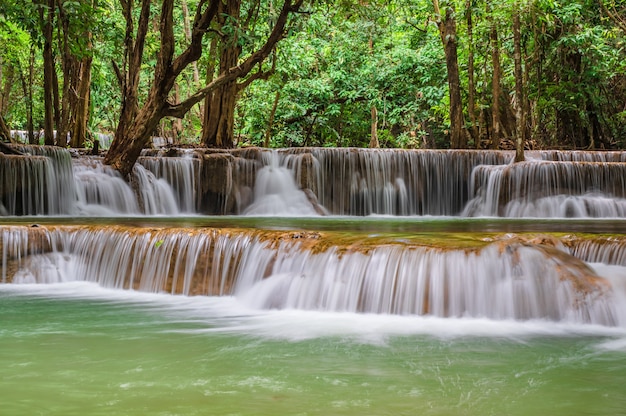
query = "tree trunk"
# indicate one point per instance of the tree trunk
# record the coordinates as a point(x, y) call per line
point(520, 116)
point(374, 144)
point(76, 82)
point(220, 123)
point(210, 74)
point(221, 116)
point(6, 83)
point(194, 64)
point(177, 123)
point(270, 123)
point(496, 127)
point(27, 90)
point(447, 31)
point(5, 133)
point(471, 83)
point(81, 106)
point(187, 28)
point(31, 80)
point(48, 72)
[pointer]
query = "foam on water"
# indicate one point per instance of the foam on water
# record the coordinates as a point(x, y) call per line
point(276, 192)
point(228, 315)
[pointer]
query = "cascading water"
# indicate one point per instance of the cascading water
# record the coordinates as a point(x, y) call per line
point(276, 192)
point(102, 191)
point(389, 181)
point(38, 183)
point(47, 181)
point(360, 316)
point(549, 189)
point(179, 173)
point(503, 280)
point(317, 181)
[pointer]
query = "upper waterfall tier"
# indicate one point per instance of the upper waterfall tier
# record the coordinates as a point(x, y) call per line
point(318, 181)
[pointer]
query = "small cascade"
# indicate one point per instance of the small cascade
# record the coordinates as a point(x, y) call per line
point(276, 193)
point(180, 174)
point(390, 181)
point(38, 183)
point(104, 140)
point(506, 279)
point(578, 156)
point(101, 191)
point(21, 136)
point(47, 181)
point(606, 250)
point(549, 189)
point(155, 195)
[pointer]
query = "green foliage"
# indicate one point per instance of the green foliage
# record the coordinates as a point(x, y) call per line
point(340, 64)
point(341, 58)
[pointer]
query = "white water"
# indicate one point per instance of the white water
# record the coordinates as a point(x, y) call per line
point(101, 191)
point(308, 182)
point(500, 282)
point(548, 190)
point(229, 315)
point(276, 192)
point(178, 173)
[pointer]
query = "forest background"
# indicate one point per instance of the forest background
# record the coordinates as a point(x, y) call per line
point(405, 73)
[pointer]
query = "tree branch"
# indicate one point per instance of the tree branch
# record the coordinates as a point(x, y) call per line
point(118, 73)
point(201, 25)
point(278, 32)
point(260, 74)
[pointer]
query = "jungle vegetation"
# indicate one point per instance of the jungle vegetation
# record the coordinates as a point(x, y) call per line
point(400, 73)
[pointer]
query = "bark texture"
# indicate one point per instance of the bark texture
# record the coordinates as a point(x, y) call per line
point(496, 125)
point(138, 122)
point(46, 19)
point(520, 137)
point(447, 30)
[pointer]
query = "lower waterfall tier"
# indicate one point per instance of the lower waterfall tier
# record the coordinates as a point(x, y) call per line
point(498, 277)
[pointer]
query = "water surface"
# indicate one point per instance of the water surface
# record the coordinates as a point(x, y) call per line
point(77, 349)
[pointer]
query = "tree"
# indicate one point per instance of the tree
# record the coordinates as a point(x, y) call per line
point(471, 83)
point(496, 124)
point(76, 60)
point(446, 23)
point(46, 18)
point(520, 137)
point(137, 122)
point(219, 116)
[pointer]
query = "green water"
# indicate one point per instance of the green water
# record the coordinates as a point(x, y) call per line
point(73, 353)
point(352, 224)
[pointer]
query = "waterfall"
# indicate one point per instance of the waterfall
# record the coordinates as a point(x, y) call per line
point(549, 189)
point(38, 183)
point(391, 181)
point(314, 181)
point(275, 191)
point(506, 279)
point(48, 181)
point(101, 191)
point(180, 174)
